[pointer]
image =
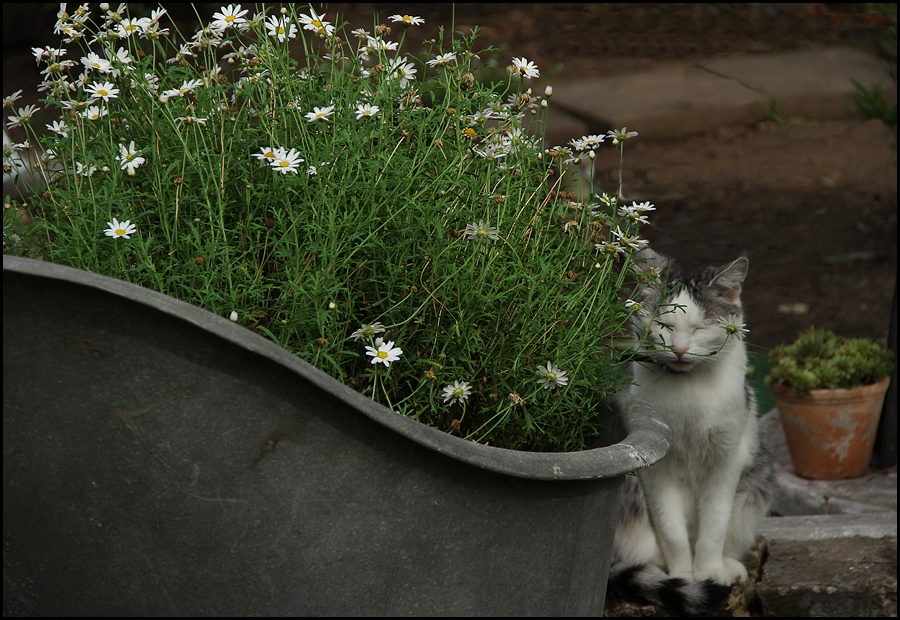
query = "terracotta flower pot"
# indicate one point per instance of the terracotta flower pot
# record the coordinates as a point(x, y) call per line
point(831, 433)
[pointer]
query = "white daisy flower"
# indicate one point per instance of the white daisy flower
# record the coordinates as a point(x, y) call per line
point(23, 118)
point(94, 112)
point(621, 134)
point(407, 20)
point(442, 60)
point(482, 231)
point(586, 143)
point(187, 86)
point(458, 391)
point(633, 215)
point(376, 44)
point(265, 153)
point(129, 158)
point(491, 152)
point(732, 327)
point(364, 109)
point(637, 307)
point(315, 23)
point(9, 102)
point(367, 331)
point(384, 352)
point(286, 161)
point(116, 229)
point(130, 26)
point(94, 62)
point(228, 17)
point(636, 243)
point(551, 376)
point(526, 68)
point(60, 128)
point(121, 56)
point(190, 120)
point(402, 70)
point(281, 28)
point(319, 114)
point(103, 90)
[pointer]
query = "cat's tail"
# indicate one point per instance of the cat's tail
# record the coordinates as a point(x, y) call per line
point(648, 584)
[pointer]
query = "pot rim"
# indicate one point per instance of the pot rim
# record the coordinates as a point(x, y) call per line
point(647, 440)
point(785, 390)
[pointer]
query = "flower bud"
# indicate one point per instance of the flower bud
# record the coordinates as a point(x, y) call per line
point(548, 92)
point(233, 316)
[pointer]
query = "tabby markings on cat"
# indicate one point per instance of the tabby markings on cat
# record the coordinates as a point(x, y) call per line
point(687, 522)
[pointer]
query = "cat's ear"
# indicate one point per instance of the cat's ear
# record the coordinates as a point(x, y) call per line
point(731, 278)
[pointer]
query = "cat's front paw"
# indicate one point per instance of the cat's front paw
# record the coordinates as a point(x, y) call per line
point(718, 575)
point(736, 569)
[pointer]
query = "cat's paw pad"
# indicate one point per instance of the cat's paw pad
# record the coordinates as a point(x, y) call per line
point(718, 575)
point(736, 569)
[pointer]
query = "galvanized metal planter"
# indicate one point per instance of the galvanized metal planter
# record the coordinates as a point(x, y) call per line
point(160, 460)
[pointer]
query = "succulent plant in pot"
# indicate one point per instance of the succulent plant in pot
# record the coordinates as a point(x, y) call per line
point(830, 390)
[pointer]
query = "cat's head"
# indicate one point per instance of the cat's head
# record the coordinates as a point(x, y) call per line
point(685, 315)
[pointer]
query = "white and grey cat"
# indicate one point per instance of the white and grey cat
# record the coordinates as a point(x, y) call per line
point(687, 522)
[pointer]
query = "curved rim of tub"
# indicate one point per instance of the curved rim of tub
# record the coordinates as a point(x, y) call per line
point(646, 440)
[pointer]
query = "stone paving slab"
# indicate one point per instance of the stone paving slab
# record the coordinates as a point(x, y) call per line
point(829, 527)
point(872, 494)
point(682, 98)
point(846, 577)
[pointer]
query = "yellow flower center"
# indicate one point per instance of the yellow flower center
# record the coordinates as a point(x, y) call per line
point(229, 18)
point(551, 376)
point(382, 354)
point(120, 231)
point(102, 92)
